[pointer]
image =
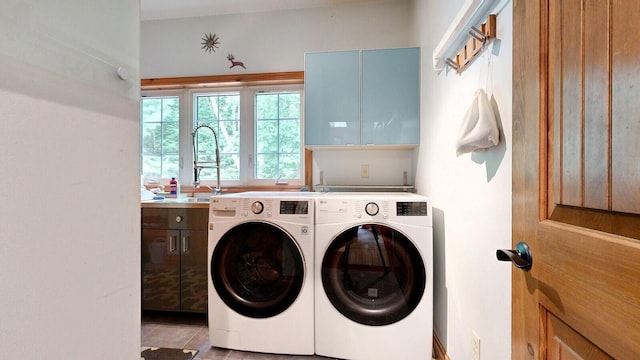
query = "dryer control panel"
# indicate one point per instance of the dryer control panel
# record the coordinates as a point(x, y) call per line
point(406, 210)
point(412, 208)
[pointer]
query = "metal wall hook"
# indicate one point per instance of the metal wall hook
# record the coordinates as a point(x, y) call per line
point(477, 34)
point(452, 64)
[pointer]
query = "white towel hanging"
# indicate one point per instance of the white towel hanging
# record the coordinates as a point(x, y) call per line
point(479, 128)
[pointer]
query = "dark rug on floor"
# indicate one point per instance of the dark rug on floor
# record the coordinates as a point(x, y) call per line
point(167, 354)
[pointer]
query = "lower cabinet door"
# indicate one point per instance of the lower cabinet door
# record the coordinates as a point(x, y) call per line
point(193, 271)
point(161, 270)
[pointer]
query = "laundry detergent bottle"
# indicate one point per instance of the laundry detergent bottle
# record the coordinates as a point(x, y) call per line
point(173, 186)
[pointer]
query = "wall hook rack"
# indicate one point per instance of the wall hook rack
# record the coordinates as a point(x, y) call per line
point(465, 37)
point(472, 48)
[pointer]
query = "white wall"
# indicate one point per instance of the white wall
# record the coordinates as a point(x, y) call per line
point(342, 167)
point(471, 193)
point(70, 218)
point(269, 41)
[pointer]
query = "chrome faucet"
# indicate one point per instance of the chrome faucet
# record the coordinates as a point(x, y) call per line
point(198, 166)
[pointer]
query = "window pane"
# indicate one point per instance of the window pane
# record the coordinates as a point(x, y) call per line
point(170, 109)
point(267, 106)
point(230, 139)
point(290, 106)
point(267, 166)
point(268, 139)
point(278, 135)
point(170, 143)
point(159, 136)
point(170, 166)
point(290, 166)
point(222, 113)
point(230, 169)
point(229, 107)
point(151, 110)
point(151, 166)
point(290, 136)
point(207, 108)
point(151, 139)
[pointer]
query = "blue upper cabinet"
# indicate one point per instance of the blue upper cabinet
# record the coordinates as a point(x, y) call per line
point(391, 97)
point(369, 97)
point(332, 98)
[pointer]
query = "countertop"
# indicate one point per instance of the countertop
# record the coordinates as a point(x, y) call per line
point(196, 200)
point(189, 202)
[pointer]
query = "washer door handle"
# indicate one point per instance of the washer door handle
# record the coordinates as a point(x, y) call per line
point(521, 256)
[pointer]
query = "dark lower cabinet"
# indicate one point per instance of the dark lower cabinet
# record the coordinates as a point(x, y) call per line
point(174, 259)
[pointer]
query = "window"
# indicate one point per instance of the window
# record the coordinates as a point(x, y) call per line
point(258, 130)
point(160, 119)
point(222, 113)
point(277, 135)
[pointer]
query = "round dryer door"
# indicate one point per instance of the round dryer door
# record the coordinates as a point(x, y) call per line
point(257, 269)
point(373, 274)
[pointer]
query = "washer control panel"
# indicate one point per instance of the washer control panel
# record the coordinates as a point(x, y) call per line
point(412, 208)
point(400, 208)
point(263, 208)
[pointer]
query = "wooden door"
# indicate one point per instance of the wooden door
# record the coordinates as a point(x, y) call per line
point(576, 178)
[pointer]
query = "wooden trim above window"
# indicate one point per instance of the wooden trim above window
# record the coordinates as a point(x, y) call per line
point(276, 78)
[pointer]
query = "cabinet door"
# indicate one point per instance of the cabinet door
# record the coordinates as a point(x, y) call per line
point(391, 96)
point(332, 98)
point(161, 270)
point(155, 218)
point(193, 271)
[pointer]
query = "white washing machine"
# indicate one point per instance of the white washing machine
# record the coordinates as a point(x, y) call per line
point(261, 272)
point(373, 278)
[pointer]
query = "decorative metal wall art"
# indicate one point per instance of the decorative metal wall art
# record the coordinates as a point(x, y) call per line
point(210, 42)
point(234, 63)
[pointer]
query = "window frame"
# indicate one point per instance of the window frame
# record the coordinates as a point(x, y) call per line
point(158, 94)
point(277, 89)
point(248, 141)
point(191, 95)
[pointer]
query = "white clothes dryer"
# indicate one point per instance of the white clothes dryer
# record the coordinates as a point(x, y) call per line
point(261, 272)
point(373, 278)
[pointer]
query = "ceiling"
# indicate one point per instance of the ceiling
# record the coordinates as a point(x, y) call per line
point(169, 9)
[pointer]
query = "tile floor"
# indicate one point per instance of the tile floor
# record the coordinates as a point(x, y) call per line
point(190, 331)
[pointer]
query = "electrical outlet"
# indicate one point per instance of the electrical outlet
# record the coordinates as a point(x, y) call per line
point(475, 349)
point(364, 170)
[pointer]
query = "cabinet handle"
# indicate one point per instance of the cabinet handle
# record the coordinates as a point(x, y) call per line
point(185, 244)
point(172, 243)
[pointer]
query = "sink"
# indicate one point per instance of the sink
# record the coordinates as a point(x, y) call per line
point(197, 199)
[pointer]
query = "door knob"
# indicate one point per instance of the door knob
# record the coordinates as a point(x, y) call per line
point(521, 256)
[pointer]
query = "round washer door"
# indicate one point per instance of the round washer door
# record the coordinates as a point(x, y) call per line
point(373, 274)
point(257, 269)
